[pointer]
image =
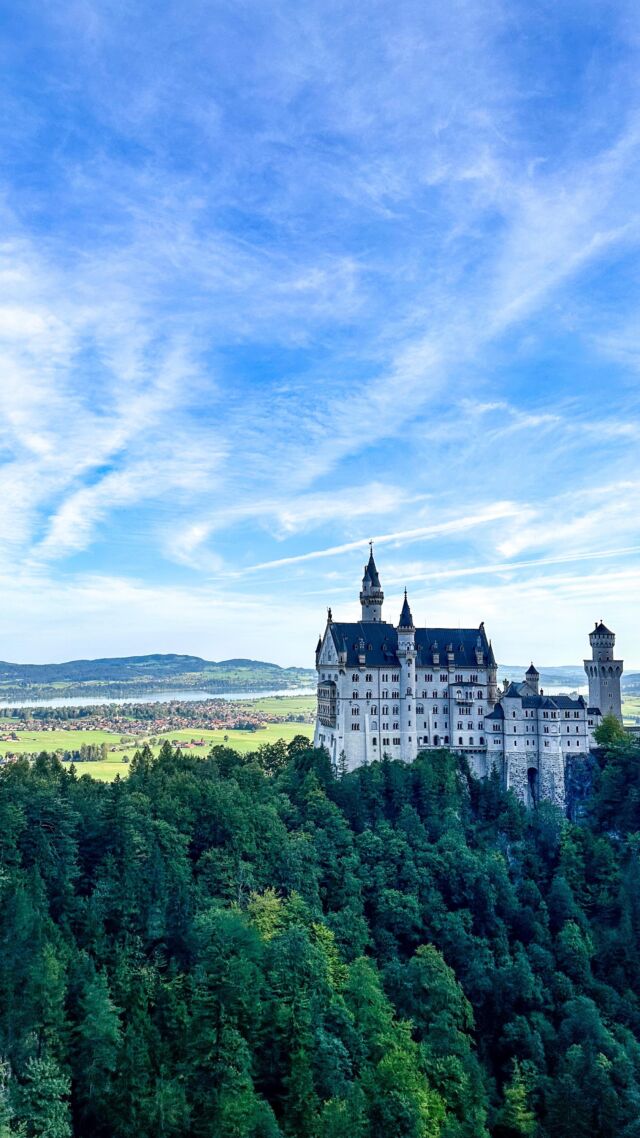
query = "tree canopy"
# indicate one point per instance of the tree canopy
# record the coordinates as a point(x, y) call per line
point(252, 947)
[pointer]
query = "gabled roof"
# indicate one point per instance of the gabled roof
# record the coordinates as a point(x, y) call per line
point(531, 671)
point(602, 630)
point(546, 702)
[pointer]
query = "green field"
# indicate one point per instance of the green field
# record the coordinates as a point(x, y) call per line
point(242, 741)
point(631, 707)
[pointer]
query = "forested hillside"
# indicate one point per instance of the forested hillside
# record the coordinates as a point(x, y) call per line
point(251, 948)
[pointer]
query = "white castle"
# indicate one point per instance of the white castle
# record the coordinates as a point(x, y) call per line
point(387, 690)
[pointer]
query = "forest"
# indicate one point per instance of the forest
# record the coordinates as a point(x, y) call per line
point(252, 947)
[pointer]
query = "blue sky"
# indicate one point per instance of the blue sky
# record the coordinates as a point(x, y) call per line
point(278, 278)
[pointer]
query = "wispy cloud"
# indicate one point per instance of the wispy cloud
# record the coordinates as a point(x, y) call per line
point(284, 279)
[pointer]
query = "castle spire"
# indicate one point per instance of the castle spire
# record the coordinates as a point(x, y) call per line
point(371, 596)
point(406, 619)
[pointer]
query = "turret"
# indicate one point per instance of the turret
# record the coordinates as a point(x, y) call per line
point(407, 660)
point(603, 672)
point(532, 677)
point(371, 596)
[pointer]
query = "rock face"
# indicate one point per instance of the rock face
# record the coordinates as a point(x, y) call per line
point(579, 779)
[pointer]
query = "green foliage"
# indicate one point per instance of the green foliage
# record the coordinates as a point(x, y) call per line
point(251, 947)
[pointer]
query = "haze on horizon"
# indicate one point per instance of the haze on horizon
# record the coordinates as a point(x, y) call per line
point(277, 279)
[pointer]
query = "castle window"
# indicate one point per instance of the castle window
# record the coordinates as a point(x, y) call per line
point(514, 714)
point(428, 678)
point(355, 678)
point(460, 740)
point(374, 741)
point(435, 709)
point(482, 741)
point(395, 677)
point(496, 742)
point(368, 679)
point(459, 679)
point(514, 728)
point(385, 710)
point(396, 727)
point(355, 710)
point(419, 709)
point(395, 695)
point(446, 738)
point(479, 695)
point(396, 710)
point(471, 740)
point(474, 679)
point(367, 695)
point(354, 695)
point(443, 678)
point(355, 726)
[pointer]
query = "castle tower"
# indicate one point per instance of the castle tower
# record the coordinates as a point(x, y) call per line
point(532, 678)
point(604, 672)
point(371, 596)
point(407, 660)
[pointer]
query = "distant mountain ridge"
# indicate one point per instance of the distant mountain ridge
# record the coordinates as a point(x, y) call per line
point(555, 675)
point(148, 673)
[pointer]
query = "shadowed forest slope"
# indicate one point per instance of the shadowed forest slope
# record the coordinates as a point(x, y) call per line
point(249, 947)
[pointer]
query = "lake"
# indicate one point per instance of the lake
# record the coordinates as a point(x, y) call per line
point(157, 697)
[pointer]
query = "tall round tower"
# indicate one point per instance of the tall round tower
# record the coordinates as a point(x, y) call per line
point(371, 595)
point(407, 661)
point(603, 672)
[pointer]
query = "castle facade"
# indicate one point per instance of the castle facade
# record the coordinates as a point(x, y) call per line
point(395, 690)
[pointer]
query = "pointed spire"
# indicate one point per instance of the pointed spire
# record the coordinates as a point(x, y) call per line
point(406, 619)
point(371, 572)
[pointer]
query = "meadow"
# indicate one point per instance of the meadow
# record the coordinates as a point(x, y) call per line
point(30, 742)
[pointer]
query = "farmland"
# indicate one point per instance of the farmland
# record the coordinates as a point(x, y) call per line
point(119, 748)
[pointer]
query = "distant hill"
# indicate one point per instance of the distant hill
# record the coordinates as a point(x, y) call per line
point(567, 675)
point(138, 674)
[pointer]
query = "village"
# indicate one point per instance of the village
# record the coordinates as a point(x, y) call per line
point(91, 733)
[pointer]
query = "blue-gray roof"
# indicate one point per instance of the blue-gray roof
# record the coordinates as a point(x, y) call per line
point(547, 702)
point(381, 642)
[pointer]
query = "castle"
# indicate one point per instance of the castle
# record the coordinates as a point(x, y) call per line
point(396, 690)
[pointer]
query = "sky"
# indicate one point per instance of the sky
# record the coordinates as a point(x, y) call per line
point(277, 279)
